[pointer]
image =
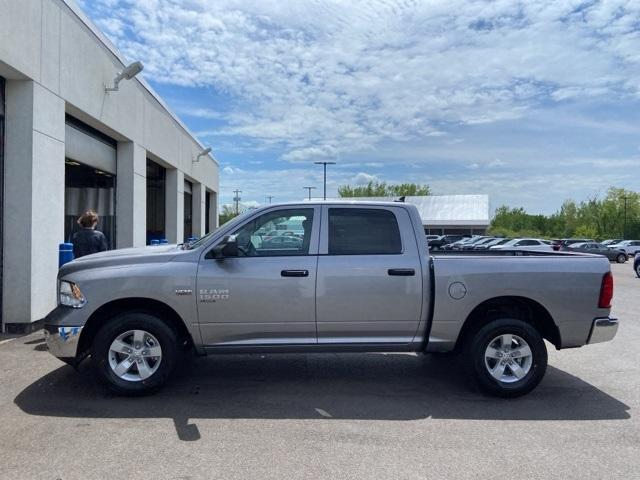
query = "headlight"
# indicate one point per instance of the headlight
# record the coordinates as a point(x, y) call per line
point(69, 294)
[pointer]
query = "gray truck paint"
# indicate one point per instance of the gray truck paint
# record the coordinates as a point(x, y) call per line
point(346, 301)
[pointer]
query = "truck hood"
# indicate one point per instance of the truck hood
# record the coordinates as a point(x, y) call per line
point(123, 256)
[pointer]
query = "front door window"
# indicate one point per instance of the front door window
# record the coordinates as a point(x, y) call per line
point(278, 233)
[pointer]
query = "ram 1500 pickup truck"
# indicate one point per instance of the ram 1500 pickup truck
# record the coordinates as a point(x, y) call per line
point(344, 276)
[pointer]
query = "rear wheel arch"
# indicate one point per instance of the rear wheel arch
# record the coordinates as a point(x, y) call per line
point(522, 308)
point(138, 304)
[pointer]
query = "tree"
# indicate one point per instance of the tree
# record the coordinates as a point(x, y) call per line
point(227, 214)
point(382, 189)
point(597, 218)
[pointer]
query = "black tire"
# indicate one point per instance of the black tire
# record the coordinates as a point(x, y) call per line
point(621, 258)
point(475, 357)
point(166, 336)
point(638, 270)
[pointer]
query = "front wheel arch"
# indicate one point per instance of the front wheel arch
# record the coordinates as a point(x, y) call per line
point(133, 304)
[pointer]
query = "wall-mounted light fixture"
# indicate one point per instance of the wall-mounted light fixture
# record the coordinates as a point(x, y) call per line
point(128, 73)
point(203, 153)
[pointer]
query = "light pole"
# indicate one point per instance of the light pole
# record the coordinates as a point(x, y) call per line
point(624, 228)
point(324, 165)
point(237, 199)
point(310, 188)
point(269, 197)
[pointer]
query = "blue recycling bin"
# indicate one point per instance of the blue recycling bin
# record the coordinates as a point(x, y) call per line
point(65, 253)
point(155, 241)
point(164, 241)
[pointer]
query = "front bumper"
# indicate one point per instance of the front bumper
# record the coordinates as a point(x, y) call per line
point(603, 330)
point(62, 341)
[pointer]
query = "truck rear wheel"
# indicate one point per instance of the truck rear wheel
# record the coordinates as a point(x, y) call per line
point(135, 353)
point(507, 357)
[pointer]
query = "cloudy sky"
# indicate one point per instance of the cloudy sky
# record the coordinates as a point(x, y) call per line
point(530, 102)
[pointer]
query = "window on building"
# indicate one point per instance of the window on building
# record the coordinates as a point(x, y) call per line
point(363, 231)
point(88, 188)
point(156, 201)
point(188, 210)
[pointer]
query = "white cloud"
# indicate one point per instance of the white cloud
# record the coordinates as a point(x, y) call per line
point(351, 75)
point(229, 170)
point(364, 178)
point(199, 112)
point(496, 162)
point(325, 152)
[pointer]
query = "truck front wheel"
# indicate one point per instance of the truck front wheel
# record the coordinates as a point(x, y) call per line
point(507, 357)
point(135, 353)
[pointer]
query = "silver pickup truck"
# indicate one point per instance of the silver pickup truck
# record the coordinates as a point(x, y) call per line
point(326, 277)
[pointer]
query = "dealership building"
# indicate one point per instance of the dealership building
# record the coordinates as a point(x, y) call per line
point(68, 144)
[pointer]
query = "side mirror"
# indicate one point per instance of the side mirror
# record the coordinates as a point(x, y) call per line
point(226, 248)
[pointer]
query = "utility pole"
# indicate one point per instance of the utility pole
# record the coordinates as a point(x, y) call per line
point(310, 188)
point(237, 199)
point(624, 228)
point(324, 164)
point(269, 197)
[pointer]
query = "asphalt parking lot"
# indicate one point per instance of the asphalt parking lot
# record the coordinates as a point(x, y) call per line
point(328, 416)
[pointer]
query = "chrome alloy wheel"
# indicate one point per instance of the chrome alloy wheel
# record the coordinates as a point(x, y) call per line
point(135, 355)
point(508, 358)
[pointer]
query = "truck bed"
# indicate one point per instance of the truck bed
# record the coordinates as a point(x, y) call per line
point(563, 285)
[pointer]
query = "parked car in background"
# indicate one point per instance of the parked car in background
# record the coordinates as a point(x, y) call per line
point(456, 244)
point(630, 247)
point(472, 246)
point(636, 265)
point(612, 241)
point(599, 249)
point(495, 241)
point(282, 242)
point(443, 240)
point(533, 244)
point(563, 243)
point(269, 235)
point(469, 242)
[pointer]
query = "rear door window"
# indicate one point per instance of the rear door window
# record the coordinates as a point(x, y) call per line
point(363, 231)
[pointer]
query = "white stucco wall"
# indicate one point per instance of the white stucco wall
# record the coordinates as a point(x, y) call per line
point(56, 61)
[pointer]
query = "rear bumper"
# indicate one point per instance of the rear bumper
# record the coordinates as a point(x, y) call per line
point(603, 330)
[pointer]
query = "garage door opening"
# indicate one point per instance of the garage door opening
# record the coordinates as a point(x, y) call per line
point(88, 188)
point(156, 198)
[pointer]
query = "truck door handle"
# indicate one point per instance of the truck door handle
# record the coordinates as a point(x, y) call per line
point(401, 272)
point(294, 273)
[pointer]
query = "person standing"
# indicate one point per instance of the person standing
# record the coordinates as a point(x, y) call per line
point(88, 240)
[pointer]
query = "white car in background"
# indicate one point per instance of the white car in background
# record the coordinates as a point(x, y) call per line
point(630, 247)
point(534, 244)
